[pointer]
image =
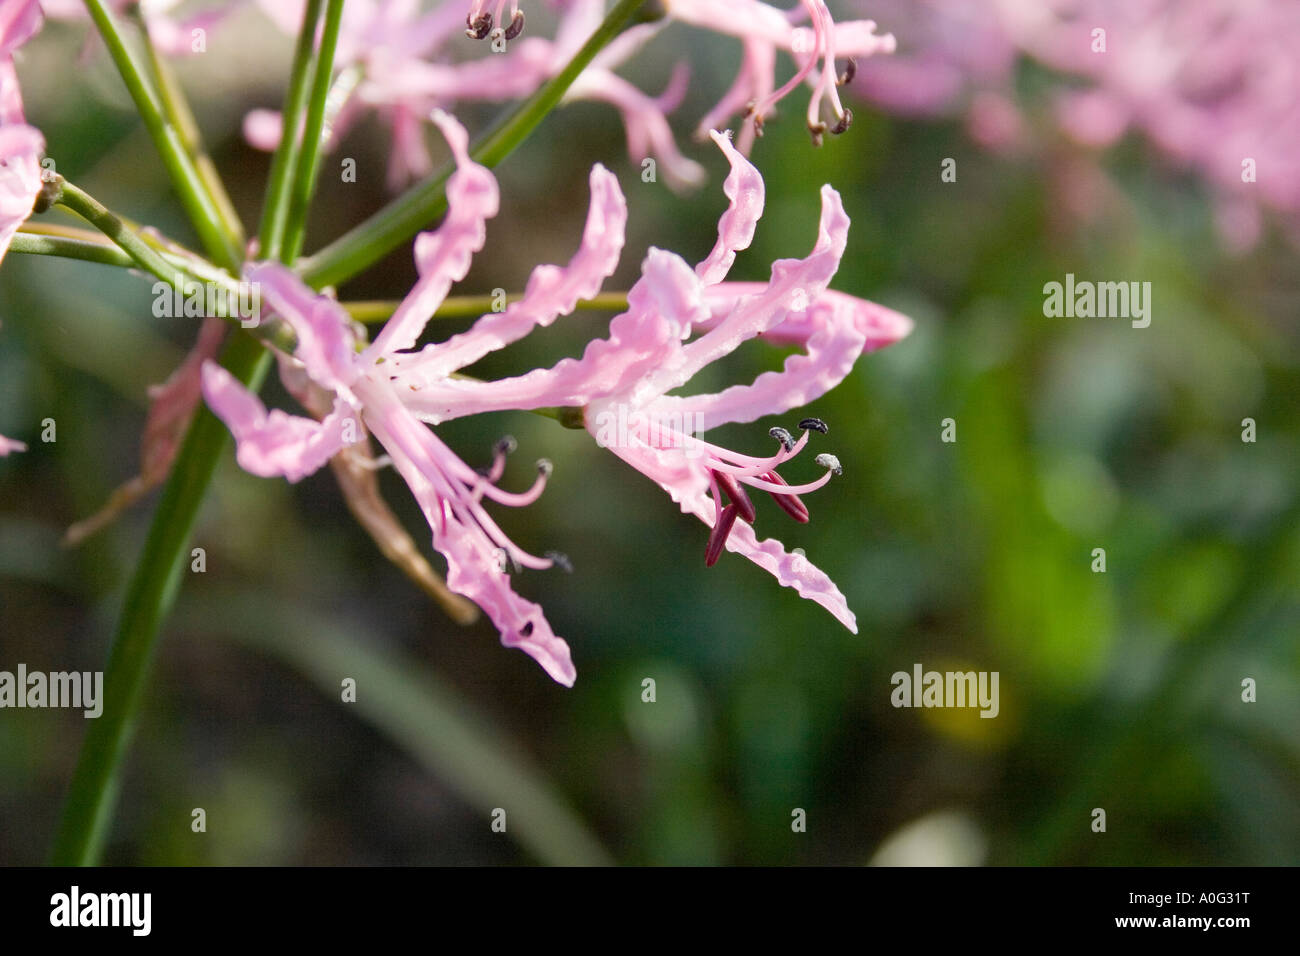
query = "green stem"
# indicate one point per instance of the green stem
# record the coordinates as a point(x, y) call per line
point(202, 211)
point(275, 211)
point(275, 333)
point(92, 794)
point(309, 152)
point(83, 249)
point(410, 212)
point(472, 306)
point(177, 110)
point(98, 215)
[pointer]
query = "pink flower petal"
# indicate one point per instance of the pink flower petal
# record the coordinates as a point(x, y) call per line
point(326, 345)
point(744, 187)
point(793, 285)
point(474, 567)
point(648, 132)
point(551, 291)
point(276, 443)
point(172, 404)
point(19, 21)
point(443, 256)
point(662, 306)
point(20, 149)
point(686, 484)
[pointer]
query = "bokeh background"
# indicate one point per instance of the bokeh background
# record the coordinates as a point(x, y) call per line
point(1119, 690)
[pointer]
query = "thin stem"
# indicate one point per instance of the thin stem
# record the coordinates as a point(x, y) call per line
point(169, 248)
point(410, 212)
point(202, 211)
point(472, 306)
point(171, 268)
point(309, 152)
point(275, 211)
point(92, 794)
point(66, 232)
point(95, 213)
point(69, 242)
point(177, 110)
point(83, 249)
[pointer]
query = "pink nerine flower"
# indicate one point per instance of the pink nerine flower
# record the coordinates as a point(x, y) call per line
point(622, 381)
point(450, 493)
point(397, 60)
point(764, 30)
point(403, 62)
point(390, 389)
point(21, 145)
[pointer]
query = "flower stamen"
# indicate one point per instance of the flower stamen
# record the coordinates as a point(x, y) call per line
point(718, 537)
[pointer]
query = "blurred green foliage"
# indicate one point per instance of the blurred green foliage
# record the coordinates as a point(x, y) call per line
point(1119, 690)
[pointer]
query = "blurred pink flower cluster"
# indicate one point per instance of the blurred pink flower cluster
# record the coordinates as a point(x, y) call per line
point(1213, 84)
point(402, 62)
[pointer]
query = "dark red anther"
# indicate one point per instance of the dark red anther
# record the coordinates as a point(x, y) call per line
point(517, 26)
point(479, 28)
point(736, 494)
point(790, 504)
point(718, 537)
